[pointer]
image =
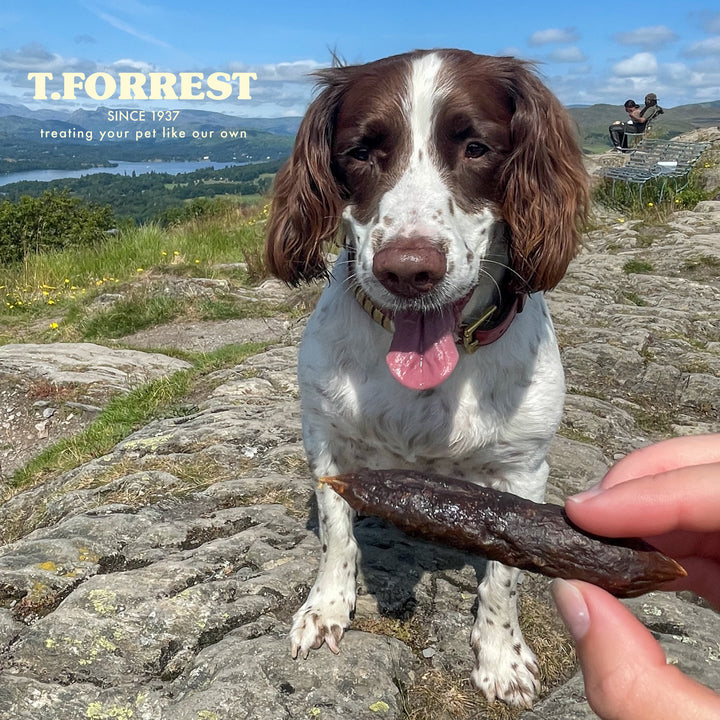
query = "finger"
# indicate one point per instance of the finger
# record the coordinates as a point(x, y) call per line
point(686, 498)
point(625, 671)
point(666, 455)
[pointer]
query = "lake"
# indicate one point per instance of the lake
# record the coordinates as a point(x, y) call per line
point(122, 168)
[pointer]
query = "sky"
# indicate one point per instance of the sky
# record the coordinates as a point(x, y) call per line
point(587, 53)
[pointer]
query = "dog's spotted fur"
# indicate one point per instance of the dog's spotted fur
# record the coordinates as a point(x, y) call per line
point(462, 166)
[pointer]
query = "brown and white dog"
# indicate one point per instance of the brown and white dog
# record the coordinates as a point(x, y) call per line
point(460, 190)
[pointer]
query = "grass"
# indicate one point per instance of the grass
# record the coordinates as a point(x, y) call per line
point(441, 695)
point(638, 267)
point(52, 282)
point(658, 201)
point(702, 267)
point(634, 299)
point(111, 289)
point(129, 315)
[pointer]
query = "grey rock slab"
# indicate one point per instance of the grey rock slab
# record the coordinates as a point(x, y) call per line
point(361, 682)
point(85, 363)
point(24, 698)
point(575, 466)
point(210, 335)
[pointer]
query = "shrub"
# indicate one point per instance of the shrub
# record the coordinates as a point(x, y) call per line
point(53, 221)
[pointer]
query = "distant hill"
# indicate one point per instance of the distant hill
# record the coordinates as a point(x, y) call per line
point(94, 118)
point(89, 138)
point(595, 120)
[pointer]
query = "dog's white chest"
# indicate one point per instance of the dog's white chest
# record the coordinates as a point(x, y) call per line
point(492, 405)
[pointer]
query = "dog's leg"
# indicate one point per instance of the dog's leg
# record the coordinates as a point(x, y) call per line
point(326, 613)
point(505, 667)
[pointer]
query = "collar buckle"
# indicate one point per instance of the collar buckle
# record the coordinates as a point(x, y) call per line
point(469, 341)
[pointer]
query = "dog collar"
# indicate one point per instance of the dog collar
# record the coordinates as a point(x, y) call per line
point(490, 325)
point(484, 327)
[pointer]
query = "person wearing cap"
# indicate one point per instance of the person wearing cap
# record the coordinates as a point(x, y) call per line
point(650, 110)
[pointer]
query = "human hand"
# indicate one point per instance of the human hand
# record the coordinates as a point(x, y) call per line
point(669, 494)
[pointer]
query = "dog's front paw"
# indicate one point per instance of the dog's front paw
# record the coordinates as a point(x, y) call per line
point(320, 622)
point(508, 672)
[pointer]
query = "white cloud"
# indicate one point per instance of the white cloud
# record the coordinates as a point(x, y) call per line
point(33, 56)
point(553, 35)
point(130, 65)
point(571, 54)
point(675, 72)
point(641, 64)
point(284, 86)
point(649, 38)
point(708, 94)
point(702, 48)
point(299, 71)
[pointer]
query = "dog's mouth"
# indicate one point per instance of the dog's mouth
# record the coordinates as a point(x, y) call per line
point(423, 352)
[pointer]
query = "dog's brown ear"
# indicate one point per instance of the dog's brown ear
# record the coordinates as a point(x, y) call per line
point(546, 185)
point(306, 205)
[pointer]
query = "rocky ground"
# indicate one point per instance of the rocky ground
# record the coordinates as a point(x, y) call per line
point(157, 582)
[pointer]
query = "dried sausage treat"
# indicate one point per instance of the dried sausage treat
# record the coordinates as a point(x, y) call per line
point(505, 527)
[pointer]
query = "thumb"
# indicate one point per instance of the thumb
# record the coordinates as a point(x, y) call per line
point(626, 674)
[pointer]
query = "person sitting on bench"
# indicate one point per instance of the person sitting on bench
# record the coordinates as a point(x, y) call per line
point(636, 123)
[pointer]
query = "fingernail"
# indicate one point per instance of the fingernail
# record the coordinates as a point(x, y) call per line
point(586, 494)
point(572, 607)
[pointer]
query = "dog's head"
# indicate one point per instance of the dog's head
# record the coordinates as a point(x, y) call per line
point(447, 132)
point(436, 163)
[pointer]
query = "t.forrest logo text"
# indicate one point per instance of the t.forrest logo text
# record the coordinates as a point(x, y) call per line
point(145, 86)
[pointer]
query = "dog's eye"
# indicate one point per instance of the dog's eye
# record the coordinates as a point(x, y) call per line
point(475, 149)
point(360, 153)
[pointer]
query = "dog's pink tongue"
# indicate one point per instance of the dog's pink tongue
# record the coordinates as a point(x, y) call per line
point(423, 352)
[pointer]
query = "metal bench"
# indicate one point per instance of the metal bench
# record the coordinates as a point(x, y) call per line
point(668, 160)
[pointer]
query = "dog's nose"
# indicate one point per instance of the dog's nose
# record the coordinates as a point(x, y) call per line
point(410, 267)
